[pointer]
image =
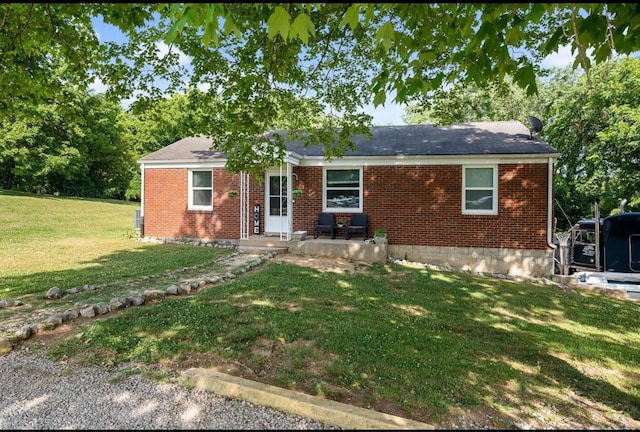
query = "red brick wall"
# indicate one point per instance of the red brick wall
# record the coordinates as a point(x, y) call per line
point(422, 205)
point(418, 205)
point(165, 206)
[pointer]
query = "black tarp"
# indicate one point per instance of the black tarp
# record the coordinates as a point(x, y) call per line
point(621, 241)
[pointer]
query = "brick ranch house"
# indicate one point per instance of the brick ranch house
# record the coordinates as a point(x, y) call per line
point(475, 196)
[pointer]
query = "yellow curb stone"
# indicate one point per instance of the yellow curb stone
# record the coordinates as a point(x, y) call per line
point(6, 346)
point(323, 410)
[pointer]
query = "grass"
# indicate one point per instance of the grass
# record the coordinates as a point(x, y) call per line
point(401, 339)
point(49, 241)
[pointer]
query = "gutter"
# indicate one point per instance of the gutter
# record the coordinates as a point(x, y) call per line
point(142, 190)
point(550, 242)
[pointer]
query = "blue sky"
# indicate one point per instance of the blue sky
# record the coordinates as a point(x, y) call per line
point(389, 114)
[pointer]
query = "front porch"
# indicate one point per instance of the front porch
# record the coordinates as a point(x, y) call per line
point(354, 249)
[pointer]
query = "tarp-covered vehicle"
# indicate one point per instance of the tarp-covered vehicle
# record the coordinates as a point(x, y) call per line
point(612, 248)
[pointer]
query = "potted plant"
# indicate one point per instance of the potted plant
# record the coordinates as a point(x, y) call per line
point(380, 236)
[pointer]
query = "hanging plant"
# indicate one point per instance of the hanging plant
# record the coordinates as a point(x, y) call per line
point(297, 192)
point(232, 192)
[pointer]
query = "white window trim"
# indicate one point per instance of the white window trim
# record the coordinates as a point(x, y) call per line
point(324, 191)
point(494, 209)
point(190, 205)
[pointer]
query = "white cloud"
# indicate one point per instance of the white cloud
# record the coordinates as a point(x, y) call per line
point(98, 86)
point(559, 59)
point(203, 87)
point(163, 49)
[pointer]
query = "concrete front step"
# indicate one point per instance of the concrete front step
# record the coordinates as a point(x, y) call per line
point(263, 244)
point(265, 241)
point(263, 249)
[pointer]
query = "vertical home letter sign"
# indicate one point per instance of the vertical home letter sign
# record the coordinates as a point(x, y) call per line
point(256, 219)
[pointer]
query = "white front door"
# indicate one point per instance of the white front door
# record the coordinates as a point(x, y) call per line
point(275, 206)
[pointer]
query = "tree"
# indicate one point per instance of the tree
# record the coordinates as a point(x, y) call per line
point(45, 47)
point(597, 131)
point(74, 148)
point(261, 58)
point(154, 127)
point(471, 103)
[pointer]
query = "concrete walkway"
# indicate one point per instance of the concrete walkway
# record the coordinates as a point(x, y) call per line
point(323, 410)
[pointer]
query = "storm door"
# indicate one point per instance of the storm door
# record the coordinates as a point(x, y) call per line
point(275, 219)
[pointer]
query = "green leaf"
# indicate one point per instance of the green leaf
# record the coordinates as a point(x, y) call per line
point(385, 35)
point(302, 27)
point(351, 17)
point(177, 26)
point(211, 32)
point(379, 98)
point(525, 77)
point(230, 26)
point(279, 22)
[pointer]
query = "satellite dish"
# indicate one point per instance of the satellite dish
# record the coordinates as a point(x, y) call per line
point(536, 126)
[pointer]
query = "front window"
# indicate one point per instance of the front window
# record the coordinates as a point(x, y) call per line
point(480, 190)
point(343, 190)
point(200, 190)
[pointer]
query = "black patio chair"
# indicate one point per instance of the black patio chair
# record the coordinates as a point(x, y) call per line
point(358, 224)
point(326, 223)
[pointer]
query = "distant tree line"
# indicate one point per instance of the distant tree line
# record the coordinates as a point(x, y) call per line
point(85, 145)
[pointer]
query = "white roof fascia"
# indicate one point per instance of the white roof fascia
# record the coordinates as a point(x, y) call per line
point(184, 164)
point(293, 158)
point(428, 160)
point(298, 160)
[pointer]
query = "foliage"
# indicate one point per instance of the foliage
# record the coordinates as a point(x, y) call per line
point(69, 148)
point(45, 47)
point(260, 60)
point(465, 103)
point(404, 49)
point(595, 127)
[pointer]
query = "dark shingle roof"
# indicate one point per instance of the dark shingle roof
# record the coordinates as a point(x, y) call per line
point(480, 138)
point(189, 149)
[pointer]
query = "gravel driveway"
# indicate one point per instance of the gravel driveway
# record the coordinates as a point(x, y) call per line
point(36, 393)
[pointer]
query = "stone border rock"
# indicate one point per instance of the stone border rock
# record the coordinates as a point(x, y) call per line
point(4, 304)
point(139, 299)
point(57, 293)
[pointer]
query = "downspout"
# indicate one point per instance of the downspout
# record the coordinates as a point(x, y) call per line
point(142, 200)
point(550, 242)
point(289, 200)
